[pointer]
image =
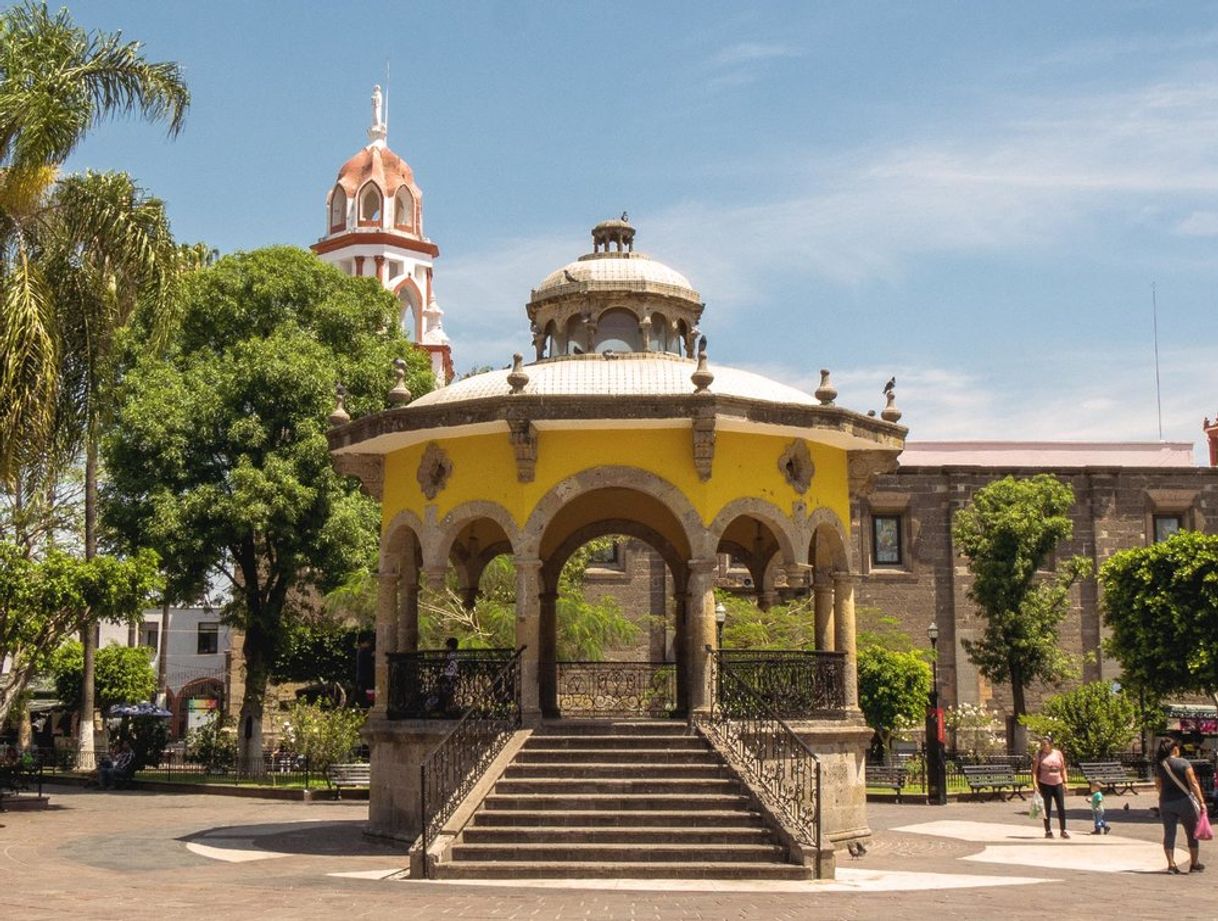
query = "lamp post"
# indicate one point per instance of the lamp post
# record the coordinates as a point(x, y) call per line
point(936, 761)
point(720, 619)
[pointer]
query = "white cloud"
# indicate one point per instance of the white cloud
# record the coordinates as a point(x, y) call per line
point(1199, 224)
point(749, 52)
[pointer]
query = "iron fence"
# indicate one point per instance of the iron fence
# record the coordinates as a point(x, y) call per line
point(422, 685)
point(782, 768)
point(644, 689)
point(796, 684)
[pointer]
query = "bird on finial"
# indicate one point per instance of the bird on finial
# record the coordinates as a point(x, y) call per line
point(702, 346)
point(888, 388)
point(568, 276)
point(625, 218)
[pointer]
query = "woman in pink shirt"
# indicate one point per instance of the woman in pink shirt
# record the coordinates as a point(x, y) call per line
point(1049, 772)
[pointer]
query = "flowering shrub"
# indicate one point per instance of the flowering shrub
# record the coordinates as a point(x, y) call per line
point(975, 729)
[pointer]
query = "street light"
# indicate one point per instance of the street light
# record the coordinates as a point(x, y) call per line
point(936, 761)
point(720, 619)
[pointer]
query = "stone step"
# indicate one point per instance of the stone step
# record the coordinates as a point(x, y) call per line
point(604, 771)
point(632, 756)
point(634, 818)
point(551, 852)
point(625, 870)
point(615, 727)
point(617, 786)
point(620, 802)
point(620, 742)
point(650, 836)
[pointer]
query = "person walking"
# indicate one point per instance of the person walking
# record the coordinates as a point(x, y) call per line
point(1049, 772)
point(1180, 802)
point(1097, 809)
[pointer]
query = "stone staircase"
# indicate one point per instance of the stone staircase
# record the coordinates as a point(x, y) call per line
point(647, 799)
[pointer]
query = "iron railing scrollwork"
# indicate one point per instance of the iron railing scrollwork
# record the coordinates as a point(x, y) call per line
point(617, 688)
point(419, 687)
point(785, 771)
point(450, 772)
point(796, 684)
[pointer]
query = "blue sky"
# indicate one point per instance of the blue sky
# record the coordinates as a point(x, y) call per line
point(974, 197)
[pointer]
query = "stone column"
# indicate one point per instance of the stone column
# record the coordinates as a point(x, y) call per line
point(408, 614)
point(700, 632)
point(528, 634)
point(843, 615)
point(547, 658)
point(386, 636)
point(822, 605)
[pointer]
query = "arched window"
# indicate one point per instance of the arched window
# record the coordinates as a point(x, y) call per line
point(411, 314)
point(554, 340)
point(403, 208)
point(338, 209)
point(576, 335)
point(617, 330)
point(370, 205)
point(679, 345)
point(659, 332)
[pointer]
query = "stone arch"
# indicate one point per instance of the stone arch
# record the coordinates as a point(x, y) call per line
point(338, 209)
point(827, 542)
point(780, 526)
point(469, 552)
point(371, 205)
point(552, 567)
point(402, 541)
point(614, 477)
point(411, 299)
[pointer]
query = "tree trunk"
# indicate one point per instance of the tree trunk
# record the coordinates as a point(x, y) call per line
point(88, 634)
point(162, 657)
point(1018, 736)
point(249, 725)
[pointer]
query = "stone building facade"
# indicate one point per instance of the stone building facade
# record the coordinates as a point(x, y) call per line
point(1127, 495)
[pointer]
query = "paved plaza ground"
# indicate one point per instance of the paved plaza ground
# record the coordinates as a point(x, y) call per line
point(135, 855)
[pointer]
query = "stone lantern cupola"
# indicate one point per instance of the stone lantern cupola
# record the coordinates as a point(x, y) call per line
point(374, 227)
point(614, 300)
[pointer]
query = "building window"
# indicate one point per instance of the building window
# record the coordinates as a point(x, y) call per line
point(338, 209)
point(886, 549)
point(149, 634)
point(209, 639)
point(1167, 525)
point(608, 556)
point(370, 204)
point(403, 208)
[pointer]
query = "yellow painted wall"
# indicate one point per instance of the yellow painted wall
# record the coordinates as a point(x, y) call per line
point(484, 468)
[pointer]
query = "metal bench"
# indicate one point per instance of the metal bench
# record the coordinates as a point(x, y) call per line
point(879, 775)
point(348, 775)
point(1112, 776)
point(998, 779)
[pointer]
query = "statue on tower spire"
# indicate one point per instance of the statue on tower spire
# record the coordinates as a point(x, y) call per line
point(378, 130)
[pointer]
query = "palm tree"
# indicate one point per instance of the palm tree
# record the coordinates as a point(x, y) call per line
point(79, 256)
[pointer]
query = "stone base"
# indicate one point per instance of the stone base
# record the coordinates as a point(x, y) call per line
point(841, 746)
point(398, 748)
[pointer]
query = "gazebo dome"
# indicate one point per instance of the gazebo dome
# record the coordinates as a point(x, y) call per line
point(380, 165)
point(634, 271)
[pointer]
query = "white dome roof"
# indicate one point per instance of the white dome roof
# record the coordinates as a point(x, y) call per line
point(616, 270)
point(628, 376)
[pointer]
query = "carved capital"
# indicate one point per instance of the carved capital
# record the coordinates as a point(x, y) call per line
point(370, 468)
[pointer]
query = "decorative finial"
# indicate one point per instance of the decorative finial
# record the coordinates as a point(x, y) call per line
point(517, 378)
point(340, 416)
point(400, 394)
point(826, 392)
point(890, 413)
point(702, 377)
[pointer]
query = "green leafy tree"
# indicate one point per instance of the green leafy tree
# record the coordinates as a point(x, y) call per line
point(1008, 533)
point(213, 745)
point(317, 650)
point(781, 626)
point(324, 735)
point(894, 688)
point(219, 448)
point(1161, 603)
point(1090, 723)
point(43, 602)
point(124, 674)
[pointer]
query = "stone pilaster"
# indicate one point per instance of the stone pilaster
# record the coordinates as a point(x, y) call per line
point(528, 635)
point(386, 636)
point(843, 615)
point(700, 632)
point(822, 606)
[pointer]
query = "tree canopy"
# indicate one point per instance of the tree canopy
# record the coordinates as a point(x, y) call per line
point(894, 688)
point(1008, 532)
point(124, 674)
point(1089, 723)
point(218, 456)
point(1161, 603)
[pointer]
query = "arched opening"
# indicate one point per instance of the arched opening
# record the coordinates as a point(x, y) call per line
point(682, 334)
point(370, 201)
point(617, 330)
point(196, 704)
point(577, 336)
point(410, 316)
point(556, 343)
point(338, 209)
point(659, 332)
point(752, 545)
point(403, 208)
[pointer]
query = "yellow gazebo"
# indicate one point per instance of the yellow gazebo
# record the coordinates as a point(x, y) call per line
point(620, 425)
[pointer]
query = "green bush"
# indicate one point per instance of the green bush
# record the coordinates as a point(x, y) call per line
point(213, 744)
point(1091, 723)
point(323, 735)
point(148, 736)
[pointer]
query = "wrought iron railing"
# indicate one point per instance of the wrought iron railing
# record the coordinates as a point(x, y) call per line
point(451, 771)
point(783, 770)
point(421, 685)
point(617, 688)
point(796, 684)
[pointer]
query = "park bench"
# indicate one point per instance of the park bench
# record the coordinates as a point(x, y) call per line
point(1112, 776)
point(879, 775)
point(997, 779)
point(348, 775)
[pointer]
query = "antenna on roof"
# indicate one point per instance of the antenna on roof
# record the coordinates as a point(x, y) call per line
point(1154, 307)
point(386, 96)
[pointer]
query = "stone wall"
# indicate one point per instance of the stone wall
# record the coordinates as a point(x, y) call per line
point(1114, 510)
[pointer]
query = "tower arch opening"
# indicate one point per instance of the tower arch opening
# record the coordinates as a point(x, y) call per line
point(370, 204)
